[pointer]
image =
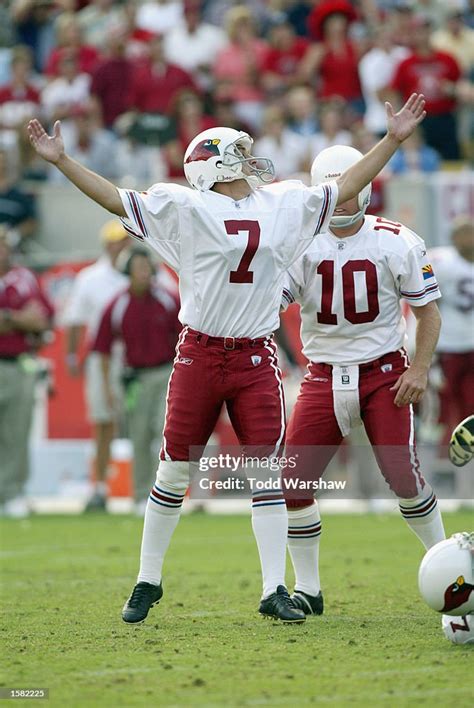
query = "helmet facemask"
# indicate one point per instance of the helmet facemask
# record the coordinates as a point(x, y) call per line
point(255, 170)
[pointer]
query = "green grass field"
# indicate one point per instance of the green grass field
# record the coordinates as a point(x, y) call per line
point(64, 581)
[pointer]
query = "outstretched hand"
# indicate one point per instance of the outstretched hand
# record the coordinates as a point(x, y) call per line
point(50, 147)
point(402, 124)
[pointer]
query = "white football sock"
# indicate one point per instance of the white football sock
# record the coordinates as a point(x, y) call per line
point(304, 536)
point(423, 516)
point(161, 518)
point(270, 527)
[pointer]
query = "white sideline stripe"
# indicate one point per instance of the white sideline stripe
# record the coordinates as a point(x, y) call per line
point(181, 339)
point(273, 358)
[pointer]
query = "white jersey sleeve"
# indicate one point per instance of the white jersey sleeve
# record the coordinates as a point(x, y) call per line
point(415, 275)
point(153, 216)
point(319, 203)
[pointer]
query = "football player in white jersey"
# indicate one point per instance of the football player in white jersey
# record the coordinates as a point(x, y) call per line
point(349, 284)
point(230, 239)
point(454, 266)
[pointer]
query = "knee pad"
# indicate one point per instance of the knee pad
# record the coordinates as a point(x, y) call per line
point(173, 476)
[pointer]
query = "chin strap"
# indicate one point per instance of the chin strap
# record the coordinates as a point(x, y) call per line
point(341, 222)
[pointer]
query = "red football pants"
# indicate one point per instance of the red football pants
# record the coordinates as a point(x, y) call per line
point(205, 376)
point(390, 429)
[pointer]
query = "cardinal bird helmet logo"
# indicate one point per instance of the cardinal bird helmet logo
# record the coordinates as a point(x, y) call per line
point(456, 594)
point(204, 150)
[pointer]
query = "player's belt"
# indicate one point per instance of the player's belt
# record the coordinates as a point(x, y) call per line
point(227, 343)
point(385, 359)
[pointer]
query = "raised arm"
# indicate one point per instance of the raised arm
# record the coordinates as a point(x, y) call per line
point(399, 127)
point(51, 149)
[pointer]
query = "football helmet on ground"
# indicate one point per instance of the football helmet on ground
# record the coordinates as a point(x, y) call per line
point(446, 575)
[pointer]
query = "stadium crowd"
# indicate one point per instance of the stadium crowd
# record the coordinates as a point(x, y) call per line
point(133, 82)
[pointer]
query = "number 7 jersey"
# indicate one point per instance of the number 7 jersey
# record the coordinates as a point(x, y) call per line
point(231, 256)
point(350, 289)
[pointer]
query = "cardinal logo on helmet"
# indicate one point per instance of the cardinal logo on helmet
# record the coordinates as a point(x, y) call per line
point(204, 150)
point(457, 594)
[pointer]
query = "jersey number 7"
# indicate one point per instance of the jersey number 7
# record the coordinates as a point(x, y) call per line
point(233, 226)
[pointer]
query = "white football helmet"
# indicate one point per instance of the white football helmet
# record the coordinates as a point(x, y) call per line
point(446, 575)
point(331, 163)
point(215, 156)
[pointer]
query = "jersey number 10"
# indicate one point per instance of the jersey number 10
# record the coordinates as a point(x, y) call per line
point(326, 271)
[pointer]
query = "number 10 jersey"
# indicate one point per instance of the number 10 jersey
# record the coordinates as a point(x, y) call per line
point(350, 289)
point(231, 256)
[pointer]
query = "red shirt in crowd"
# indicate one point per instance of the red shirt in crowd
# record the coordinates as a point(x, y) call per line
point(111, 82)
point(18, 287)
point(425, 74)
point(87, 58)
point(153, 91)
point(340, 74)
point(285, 62)
point(147, 325)
point(9, 94)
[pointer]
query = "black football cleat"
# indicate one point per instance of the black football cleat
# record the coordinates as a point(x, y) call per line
point(278, 605)
point(310, 604)
point(144, 596)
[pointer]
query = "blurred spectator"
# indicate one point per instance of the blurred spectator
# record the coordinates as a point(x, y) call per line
point(155, 82)
point(454, 268)
point(35, 26)
point(97, 19)
point(282, 67)
point(400, 22)
point(331, 130)
point(414, 156)
point(138, 39)
point(139, 164)
point(7, 40)
point(301, 109)
point(145, 318)
point(93, 289)
point(456, 39)
point(66, 93)
point(239, 65)
point(19, 99)
point(25, 314)
point(69, 43)
point(89, 143)
point(376, 71)
point(193, 45)
point(159, 16)
point(190, 120)
point(435, 74)
point(297, 12)
point(112, 78)
point(17, 207)
point(287, 150)
point(334, 60)
point(224, 114)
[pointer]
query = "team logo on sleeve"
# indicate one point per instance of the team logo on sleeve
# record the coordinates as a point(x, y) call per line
point(204, 150)
point(457, 594)
point(427, 271)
